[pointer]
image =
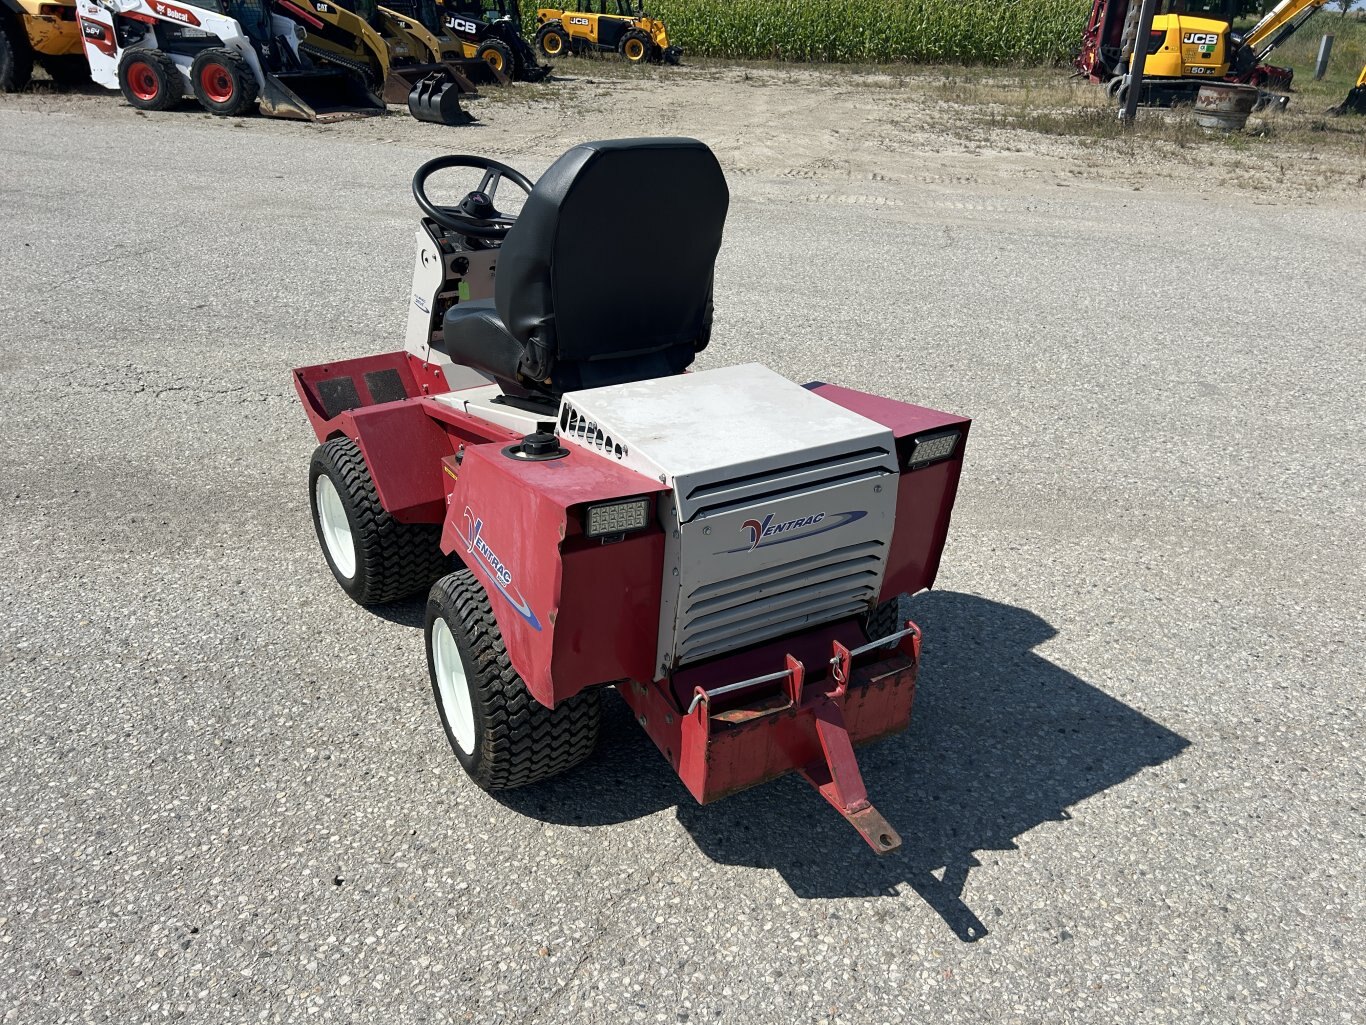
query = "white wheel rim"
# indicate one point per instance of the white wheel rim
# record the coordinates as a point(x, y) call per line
point(336, 529)
point(453, 689)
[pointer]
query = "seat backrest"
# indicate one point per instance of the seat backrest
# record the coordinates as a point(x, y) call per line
point(607, 275)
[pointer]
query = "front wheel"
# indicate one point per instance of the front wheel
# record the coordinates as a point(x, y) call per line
point(150, 80)
point(374, 557)
point(501, 735)
point(496, 55)
point(636, 46)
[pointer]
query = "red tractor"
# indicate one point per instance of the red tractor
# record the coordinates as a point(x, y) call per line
point(731, 551)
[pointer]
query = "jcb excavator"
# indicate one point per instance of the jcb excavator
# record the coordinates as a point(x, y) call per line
point(1356, 99)
point(402, 61)
point(1192, 42)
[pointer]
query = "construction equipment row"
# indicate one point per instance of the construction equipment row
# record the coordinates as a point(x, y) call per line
point(317, 60)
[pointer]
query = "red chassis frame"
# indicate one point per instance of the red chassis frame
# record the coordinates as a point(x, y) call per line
point(570, 604)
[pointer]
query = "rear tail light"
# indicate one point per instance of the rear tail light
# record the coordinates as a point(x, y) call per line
point(1155, 41)
point(932, 448)
point(617, 517)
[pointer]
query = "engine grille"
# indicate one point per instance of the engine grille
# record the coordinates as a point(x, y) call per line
point(759, 606)
point(739, 586)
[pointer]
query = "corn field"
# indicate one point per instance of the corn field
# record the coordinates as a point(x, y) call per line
point(877, 31)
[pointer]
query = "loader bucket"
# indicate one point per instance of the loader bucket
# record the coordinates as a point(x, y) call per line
point(1354, 104)
point(402, 81)
point(437, 99)
point(317, 95)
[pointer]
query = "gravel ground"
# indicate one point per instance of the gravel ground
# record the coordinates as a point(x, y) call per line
point(1132, 789)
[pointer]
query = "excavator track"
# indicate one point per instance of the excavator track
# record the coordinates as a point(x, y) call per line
point(328, 57)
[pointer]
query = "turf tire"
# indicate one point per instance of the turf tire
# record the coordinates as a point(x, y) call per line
point(16, 56)
point(393, 560)
point(170, 84)
point(516, 740)
point(224, 68)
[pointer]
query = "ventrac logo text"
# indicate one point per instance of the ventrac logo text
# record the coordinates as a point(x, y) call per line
point(761, 533)
point(476, 546)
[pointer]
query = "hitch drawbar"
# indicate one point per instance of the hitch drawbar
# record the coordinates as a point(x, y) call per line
point(736, 735)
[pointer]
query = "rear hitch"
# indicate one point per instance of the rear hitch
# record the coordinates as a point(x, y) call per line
point(718, 747)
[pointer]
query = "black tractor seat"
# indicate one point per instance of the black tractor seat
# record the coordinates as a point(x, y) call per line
point(606, 277)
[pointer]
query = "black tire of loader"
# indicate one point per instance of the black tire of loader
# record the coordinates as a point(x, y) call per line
point(888, 618)
point(170, 84)
point(517, 740)
point(244, 85)
point(506, 62)
point(393, 560)
point(16, 56)
point(563, 44)
point(646, 48)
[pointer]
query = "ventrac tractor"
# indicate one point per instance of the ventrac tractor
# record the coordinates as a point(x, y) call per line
point(730, 551)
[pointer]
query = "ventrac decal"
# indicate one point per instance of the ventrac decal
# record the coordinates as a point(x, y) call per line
point(502, 576)
point(761, 533)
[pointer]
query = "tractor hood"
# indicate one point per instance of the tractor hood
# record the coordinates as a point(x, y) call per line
point(780, 508)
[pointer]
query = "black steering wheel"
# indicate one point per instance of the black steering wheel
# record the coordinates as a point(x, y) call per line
point(476, 216)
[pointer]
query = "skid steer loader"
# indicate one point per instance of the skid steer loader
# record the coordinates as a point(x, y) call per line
point(231, 55)
point(44, 32)
point(401, 66)
point(608, 26)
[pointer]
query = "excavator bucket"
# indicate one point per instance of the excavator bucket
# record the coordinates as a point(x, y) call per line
point(403, 81)
point(480, 72)
point(317, 94)
point(1354, 104)
point(437, 99)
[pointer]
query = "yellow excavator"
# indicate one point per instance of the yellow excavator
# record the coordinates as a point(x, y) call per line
point(1191, 42)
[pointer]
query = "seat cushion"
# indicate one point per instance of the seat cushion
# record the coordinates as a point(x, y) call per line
point(473, 334)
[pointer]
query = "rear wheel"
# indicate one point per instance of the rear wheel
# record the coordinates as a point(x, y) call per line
point(223, 82)
point(16, 56)
point(150, 80)
point(552, 41)
point(501, 735)
point(635, 46)
point(496, 55)
point(374, 557)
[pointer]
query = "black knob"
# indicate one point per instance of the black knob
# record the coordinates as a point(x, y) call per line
point(540, 444)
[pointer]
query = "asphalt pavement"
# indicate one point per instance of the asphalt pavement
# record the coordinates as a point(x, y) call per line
point(1132, 789)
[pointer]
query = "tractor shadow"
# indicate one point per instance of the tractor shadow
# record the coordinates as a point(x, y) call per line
point(1001, 740)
